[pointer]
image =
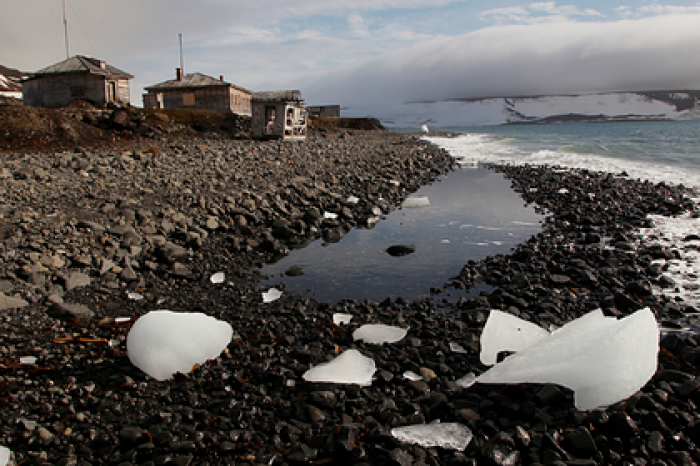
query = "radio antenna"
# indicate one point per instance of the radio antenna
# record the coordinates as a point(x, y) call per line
point(65, 28)
point(182, 61)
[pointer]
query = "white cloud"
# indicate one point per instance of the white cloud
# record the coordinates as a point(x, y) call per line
point(539, 12)
point(553, 58)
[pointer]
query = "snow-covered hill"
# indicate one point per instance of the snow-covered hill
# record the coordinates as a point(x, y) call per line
point(10, 85)
point(623, 106)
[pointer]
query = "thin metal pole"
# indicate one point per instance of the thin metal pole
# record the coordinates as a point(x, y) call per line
point(182, 61)
point(65, 28)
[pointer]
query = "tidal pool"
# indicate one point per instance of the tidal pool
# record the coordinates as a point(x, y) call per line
point(472, 213)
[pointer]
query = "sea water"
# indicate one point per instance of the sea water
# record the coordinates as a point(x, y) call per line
point(656, 151)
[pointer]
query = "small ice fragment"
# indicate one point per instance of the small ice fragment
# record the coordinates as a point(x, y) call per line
point(412, 376)
point(563, 191)
point(340, 318)
point(5, 454)
point(505, 332)
point(135, 296)
point(379, 333)
point(602, 359)
point(532, 190)
point(448, 435)
point(351, 367)
point(162, 343)
point(424, 129)
point(113, 343)
point(466, 381)
point(394, 182)
point(330, 215)
point(218, 277)
point(353, 200)
point(416, 202)
point(270, 295)
point(445, 241)
point(457, 348)
point(31, 360)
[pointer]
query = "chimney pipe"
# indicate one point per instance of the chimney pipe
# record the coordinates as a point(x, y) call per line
point(221, 77)
point(179, 74)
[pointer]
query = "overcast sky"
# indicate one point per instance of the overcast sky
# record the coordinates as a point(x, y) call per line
point(372, 51)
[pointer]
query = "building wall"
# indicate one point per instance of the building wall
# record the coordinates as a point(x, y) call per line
point(278, 120)
point(207, 98)
point(325, 111)
point(62, 88)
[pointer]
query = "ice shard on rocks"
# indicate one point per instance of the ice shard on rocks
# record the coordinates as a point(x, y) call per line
point(602, 359)
point(351, 367)
point(377, 334)
point(505, 332)
point(162, 343)
point(416, 202)
point(448, 435)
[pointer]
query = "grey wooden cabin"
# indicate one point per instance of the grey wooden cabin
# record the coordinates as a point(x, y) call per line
point(324, 111)
point(279, 115)
point(78, 77)
point(197, 90)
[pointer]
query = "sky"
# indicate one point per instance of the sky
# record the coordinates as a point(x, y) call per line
point(378, 52)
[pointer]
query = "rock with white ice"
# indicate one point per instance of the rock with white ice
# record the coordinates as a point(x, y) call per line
point(351, 367)
point(448, 435)
point(416, 202)
point(162, 343)
point(505, 332)
point(466, 381)
point(217, 278)
point(377, 334)
point(273, 294)
point(602, 359)
point(341, 318)
point(424, 129)
point(5, 455)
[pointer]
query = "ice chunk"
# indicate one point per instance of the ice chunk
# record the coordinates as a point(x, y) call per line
point(31, 360)
point(330, 215)
point(340, 318)
point(218, 277)
point(457, 348)
point(135, 296)
point(379, 333)
point(412, 376)
point(424, 129)
point(352, 200)
point(163, 342)
point(273, 294)
point(505, 332)
point(351, 367)
point(448, 435)
point(602, 359)
point(5, 454)
point(466, 381)
point(416, 202)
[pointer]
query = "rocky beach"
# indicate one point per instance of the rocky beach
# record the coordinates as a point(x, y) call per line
point(95, 237)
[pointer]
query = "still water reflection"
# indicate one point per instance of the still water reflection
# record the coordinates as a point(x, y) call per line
point(473, 213)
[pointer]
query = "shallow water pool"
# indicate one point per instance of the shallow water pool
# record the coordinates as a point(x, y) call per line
point(472, 213)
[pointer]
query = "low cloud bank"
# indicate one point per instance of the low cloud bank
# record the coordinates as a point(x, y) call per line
point(658, 53)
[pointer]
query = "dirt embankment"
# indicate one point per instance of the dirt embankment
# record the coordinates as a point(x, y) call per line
point(82, 125)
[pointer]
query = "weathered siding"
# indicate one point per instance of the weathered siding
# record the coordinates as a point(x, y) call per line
point(278, 120)
point(62, 88)
point(206, 98)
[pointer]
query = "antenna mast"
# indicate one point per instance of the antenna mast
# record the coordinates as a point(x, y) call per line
point(182, 62)
point(65, 28)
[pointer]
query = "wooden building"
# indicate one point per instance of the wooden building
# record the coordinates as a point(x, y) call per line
point(200, 91)
point(78, 77)
point(324, 111)
point(279, 115)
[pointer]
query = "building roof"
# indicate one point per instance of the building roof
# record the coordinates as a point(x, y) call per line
point(193, 80)
point(82, 64)
point(278, 96)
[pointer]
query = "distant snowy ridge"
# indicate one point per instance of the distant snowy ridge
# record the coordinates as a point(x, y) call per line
point(621, 106)
point(10, 82)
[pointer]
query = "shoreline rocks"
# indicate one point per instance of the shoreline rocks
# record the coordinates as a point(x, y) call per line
point(160, 223)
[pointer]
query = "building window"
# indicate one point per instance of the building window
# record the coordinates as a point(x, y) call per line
point(77, 91)
point(188, 99)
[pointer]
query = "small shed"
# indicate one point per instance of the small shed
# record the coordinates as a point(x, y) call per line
point(279, 115)
point(197, 90)
point(78, 77)
point(324, 111)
